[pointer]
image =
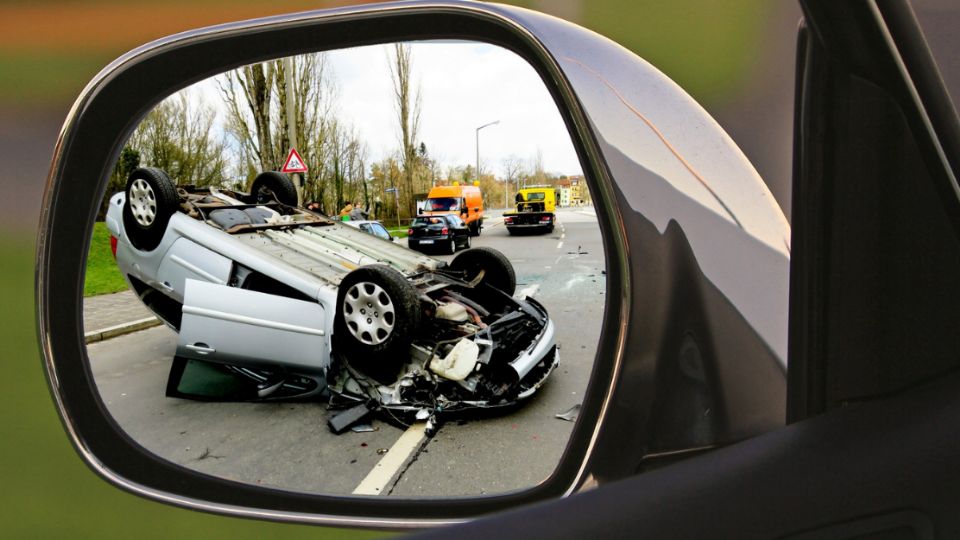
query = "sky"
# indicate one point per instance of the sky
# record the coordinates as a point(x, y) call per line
point(463, 85)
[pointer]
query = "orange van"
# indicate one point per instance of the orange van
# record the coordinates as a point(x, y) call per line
point(466, 201)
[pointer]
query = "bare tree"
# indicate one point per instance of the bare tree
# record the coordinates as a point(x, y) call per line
point(259, 115)
point(408, 101)
point(248, 94)
point(537, 174)
point(384, 174)
point(178, 137)
point(513, 171)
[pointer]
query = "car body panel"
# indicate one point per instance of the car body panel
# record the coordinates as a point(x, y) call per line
point(236, 326)
point(185, 260)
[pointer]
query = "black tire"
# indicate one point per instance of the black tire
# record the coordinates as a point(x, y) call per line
point(468, 242)
point(497, 270)
point(474, 228)
point(151, 198)
point(381, 346)
point(279, 184)
point(453, 246)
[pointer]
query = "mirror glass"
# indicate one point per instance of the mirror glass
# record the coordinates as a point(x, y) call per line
point(371, 271)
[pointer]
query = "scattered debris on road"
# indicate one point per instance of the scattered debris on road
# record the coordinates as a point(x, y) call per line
point(570, 414)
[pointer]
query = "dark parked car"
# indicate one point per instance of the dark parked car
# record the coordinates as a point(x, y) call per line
point(443, 233)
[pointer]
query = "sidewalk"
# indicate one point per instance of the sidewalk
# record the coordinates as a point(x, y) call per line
point(110, 315)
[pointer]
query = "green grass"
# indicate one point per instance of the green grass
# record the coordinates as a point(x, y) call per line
point(397, 232)
point(47, 491)
point(102, 277)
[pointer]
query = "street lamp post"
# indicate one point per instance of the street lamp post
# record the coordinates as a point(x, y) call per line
point(478, 144)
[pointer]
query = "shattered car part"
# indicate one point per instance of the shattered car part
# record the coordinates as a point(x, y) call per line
point(458, 363)
point(570, 415)
point(277, 295)
point(342, 421)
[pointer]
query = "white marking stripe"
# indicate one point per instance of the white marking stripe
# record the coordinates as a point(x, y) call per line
point(390, 463)
point(560, 245)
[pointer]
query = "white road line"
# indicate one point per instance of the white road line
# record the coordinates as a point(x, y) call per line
point(560, 245)
point(563, 235)
point(388, 466)
point(528, 291)
point(558, 259)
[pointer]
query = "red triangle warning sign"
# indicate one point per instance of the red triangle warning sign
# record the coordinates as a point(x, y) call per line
point(294, 163)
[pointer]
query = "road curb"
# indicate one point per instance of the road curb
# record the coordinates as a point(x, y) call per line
point(120, 329)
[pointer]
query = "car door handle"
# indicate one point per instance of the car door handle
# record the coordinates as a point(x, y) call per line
point(201, 348)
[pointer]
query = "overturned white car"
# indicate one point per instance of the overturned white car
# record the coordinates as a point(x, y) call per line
point(299, 303)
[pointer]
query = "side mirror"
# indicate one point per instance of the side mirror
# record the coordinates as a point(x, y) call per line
point(689, 282)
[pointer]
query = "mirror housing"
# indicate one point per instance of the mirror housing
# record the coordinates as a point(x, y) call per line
point(692, 353)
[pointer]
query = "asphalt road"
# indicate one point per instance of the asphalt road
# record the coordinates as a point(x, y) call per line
point(288, 445)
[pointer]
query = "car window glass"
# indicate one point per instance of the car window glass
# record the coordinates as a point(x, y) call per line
point(444, 204)
point(378, 230)
point(244, 337)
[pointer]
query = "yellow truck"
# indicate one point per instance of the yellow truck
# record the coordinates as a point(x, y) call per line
point(535, 211)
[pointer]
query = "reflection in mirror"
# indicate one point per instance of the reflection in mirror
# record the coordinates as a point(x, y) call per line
point(351, 272)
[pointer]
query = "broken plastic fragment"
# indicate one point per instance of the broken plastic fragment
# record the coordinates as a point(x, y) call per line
point(457, 365)
point(423, 414)
point(432, 426)
point(570, 414)
point(362, 428)
point(339, 422)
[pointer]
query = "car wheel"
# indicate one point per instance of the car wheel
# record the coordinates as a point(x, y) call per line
point(496, 268)
point(453, 246)
point(468, 242)
point(151, 198)
point(378, 312)
point(271, 185)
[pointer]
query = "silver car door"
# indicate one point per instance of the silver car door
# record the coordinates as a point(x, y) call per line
point(238, 326)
